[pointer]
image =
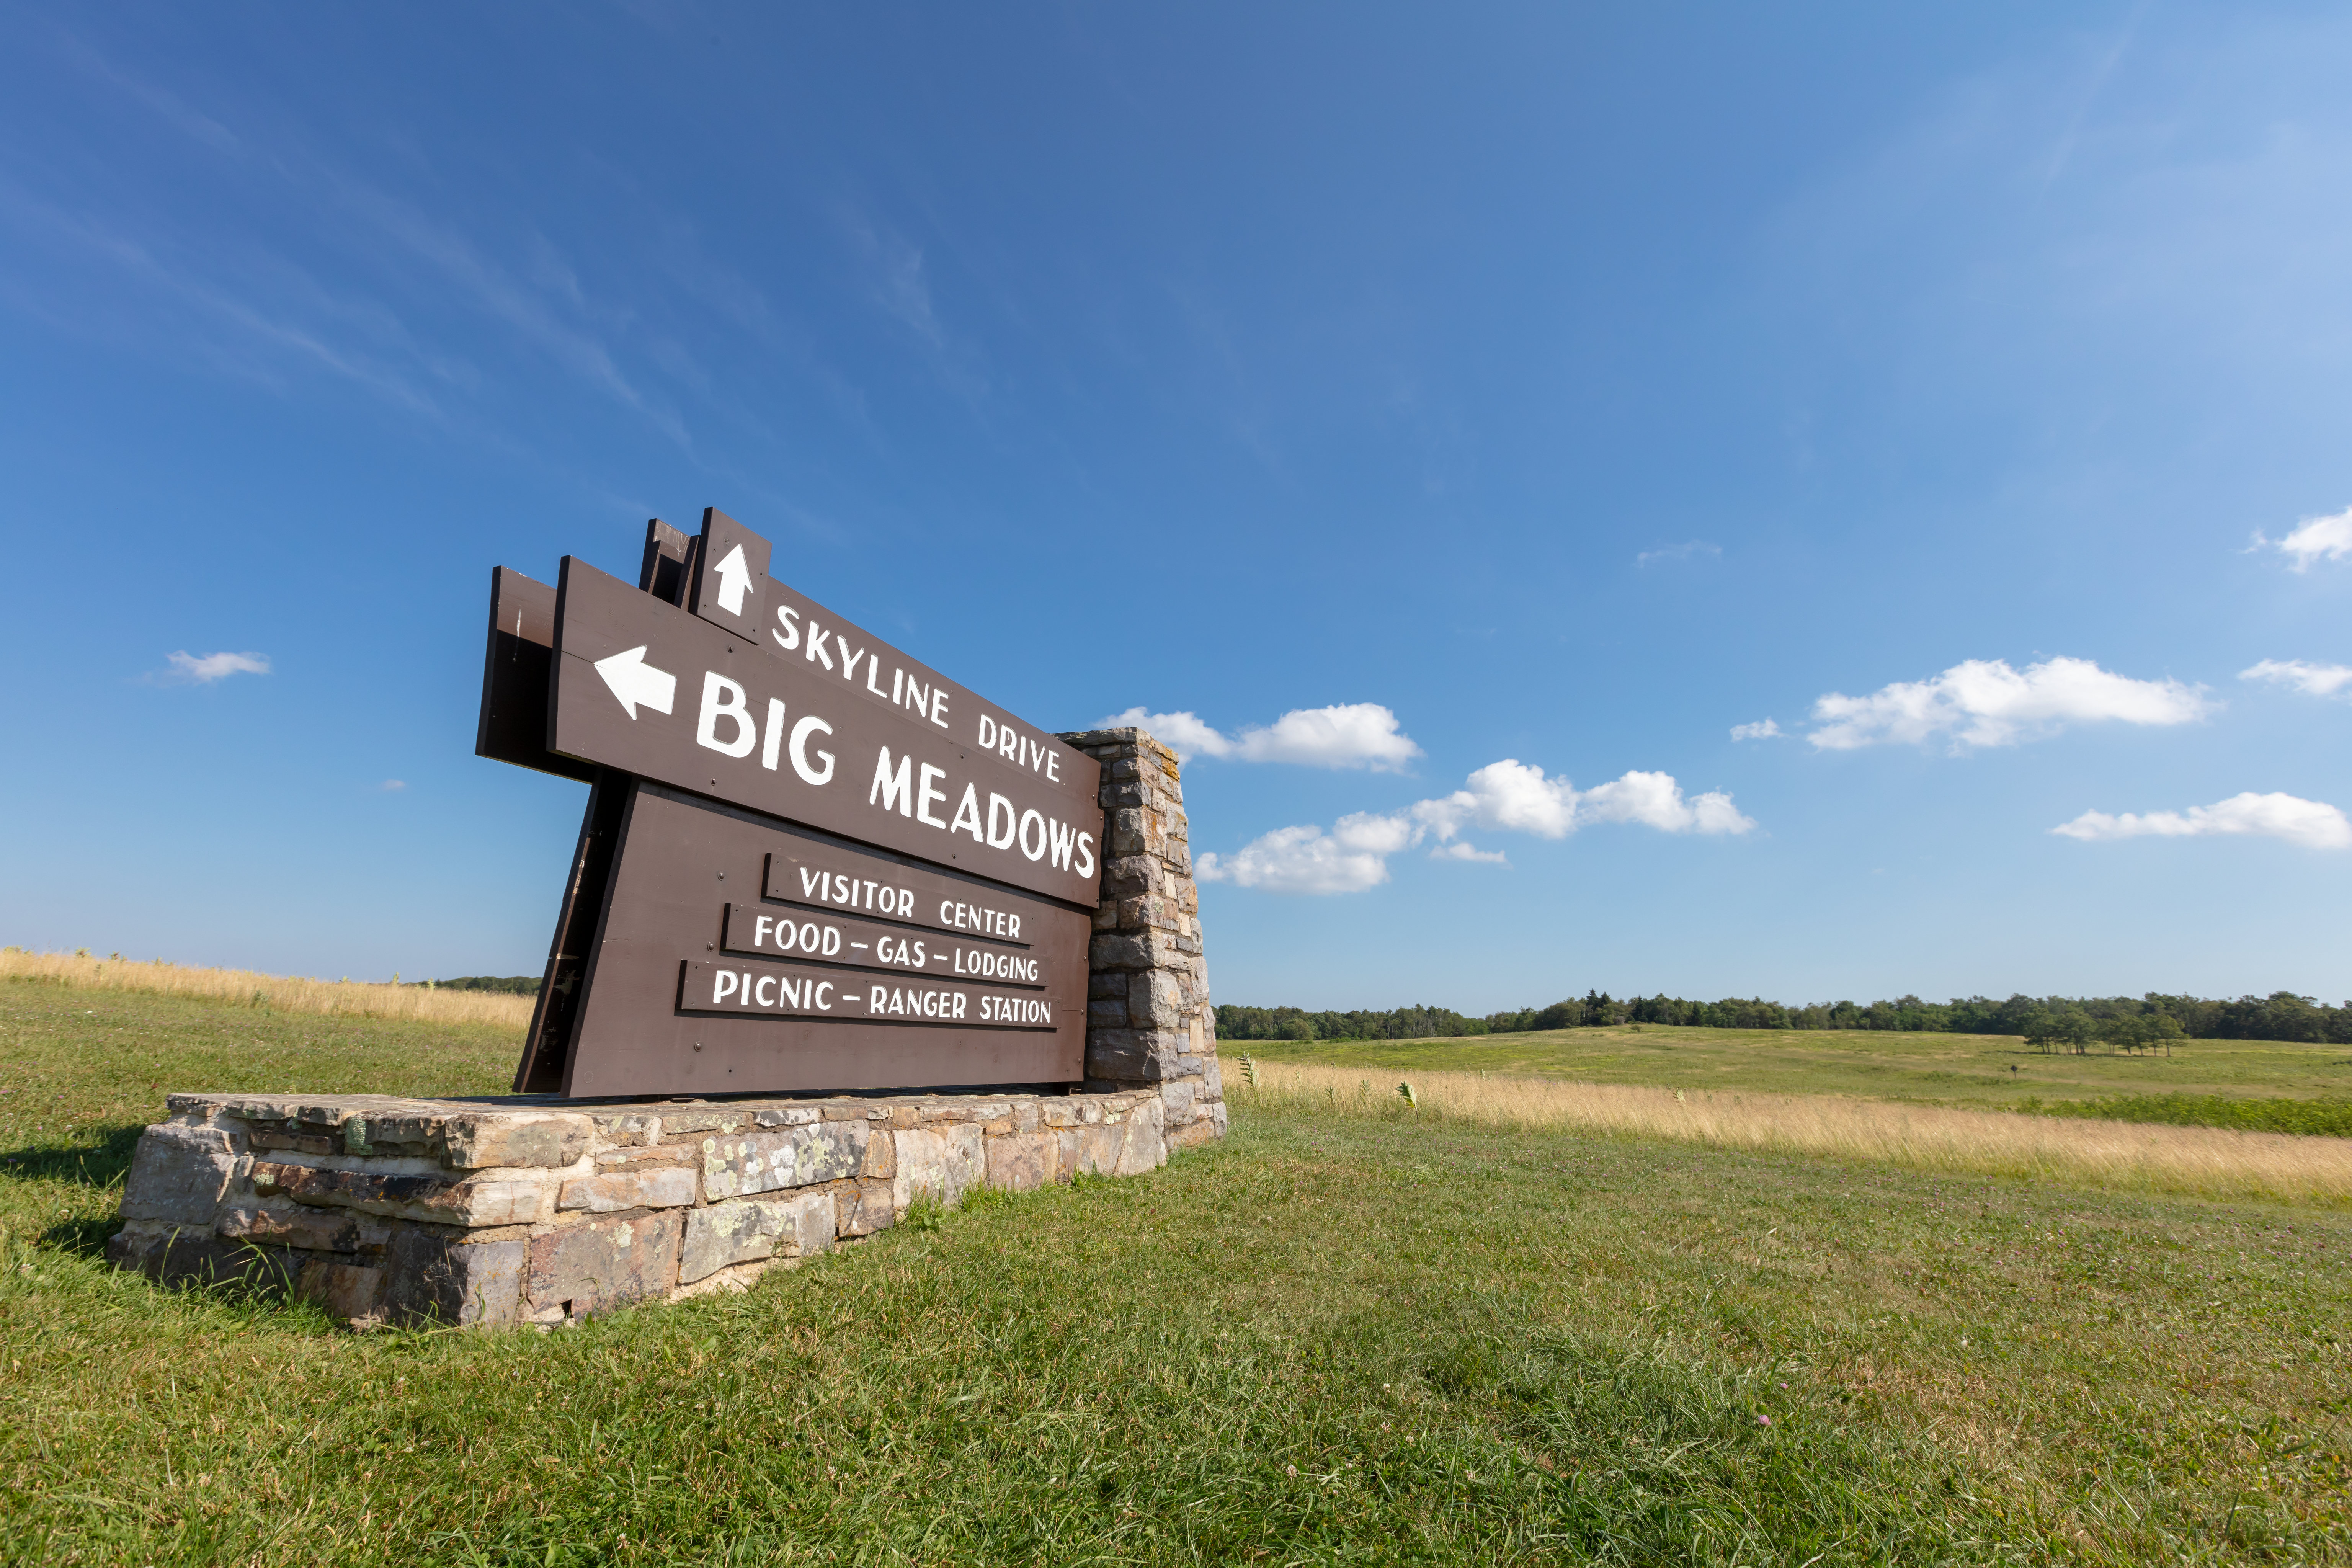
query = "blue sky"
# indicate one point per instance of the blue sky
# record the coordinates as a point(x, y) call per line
point(1546, 386)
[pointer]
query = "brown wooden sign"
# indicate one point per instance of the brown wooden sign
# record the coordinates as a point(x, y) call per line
point(673, 996)
point(655, 691)
point(810, 862)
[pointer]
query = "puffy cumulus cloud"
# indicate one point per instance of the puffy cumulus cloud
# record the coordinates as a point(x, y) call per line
point(1656, 800)
point(203, 669)
point(1506, 796)
point(1986, 703)
point(1344, 735)
point(2318, 680)
point(1763, 730)
point(2313, 825)
point(1515, 796)
point(2314, 539)
point(1509, 794)
point(1351, 859)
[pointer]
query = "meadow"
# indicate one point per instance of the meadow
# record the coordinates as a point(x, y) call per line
point(1990, 1071)
point(1358, 1332)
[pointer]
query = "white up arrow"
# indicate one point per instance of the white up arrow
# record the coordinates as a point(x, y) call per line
point(734, 581)
point(633, 680)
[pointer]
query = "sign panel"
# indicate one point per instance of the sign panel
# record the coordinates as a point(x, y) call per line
point(780, 931)
point(809, 864)
point(515, 675)
point(731, 577)
point(675, 1001)
point(857, 742)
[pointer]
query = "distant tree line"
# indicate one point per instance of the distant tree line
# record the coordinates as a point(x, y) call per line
point(2048, 1022)
point(510, 984)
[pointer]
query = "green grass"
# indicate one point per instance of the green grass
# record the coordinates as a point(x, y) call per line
point(1944, 1069)
point(2310, 1118)
point(1328, 1340)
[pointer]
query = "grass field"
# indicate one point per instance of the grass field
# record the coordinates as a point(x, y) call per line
point(1339, 1338)
point(1942, 1069)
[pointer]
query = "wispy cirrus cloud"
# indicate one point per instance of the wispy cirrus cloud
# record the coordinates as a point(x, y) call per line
point(2313, 824)
point(1346, 735)
point(1984, 702)
point(2314, 539)
point(187, 669)
point(1763, 730)
point(2317, 679)
point(1669, 554)
point(1505, 796)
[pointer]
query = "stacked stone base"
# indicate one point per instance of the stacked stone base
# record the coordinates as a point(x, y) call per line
point(487, 1212)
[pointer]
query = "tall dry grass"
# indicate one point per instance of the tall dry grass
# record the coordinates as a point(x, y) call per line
point(2203, 1162)
point(286, 993)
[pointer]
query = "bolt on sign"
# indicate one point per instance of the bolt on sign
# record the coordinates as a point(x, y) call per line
point(808, 862)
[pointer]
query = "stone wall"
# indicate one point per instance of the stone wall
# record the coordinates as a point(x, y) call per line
point(530, 1210)
point(392, 1210)
point(1148, 1022)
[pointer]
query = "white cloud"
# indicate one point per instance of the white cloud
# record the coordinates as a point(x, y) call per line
point(1668, 555)
point(1517, 798)
point(391, 785)
point(1509, 795)
point(2310, 823)
point(1763, 730)
point(212, 666)
point(1346, 735)
point(2318, 680)
point(1351, 859)
point(2314, 539)
point(1656, 800)
point(1986, 703)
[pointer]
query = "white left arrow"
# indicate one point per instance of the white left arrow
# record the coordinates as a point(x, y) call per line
point(734, 581)
point(633, 680)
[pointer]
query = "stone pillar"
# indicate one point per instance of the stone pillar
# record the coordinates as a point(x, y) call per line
point(1149, 1024)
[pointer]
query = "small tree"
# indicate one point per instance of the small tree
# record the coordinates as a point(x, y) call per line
point(1298, 1028)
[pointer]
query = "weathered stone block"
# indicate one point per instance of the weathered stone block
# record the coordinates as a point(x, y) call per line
point(604, 1264)
point(1155, 1000)
point(1022, 1162)
point(434, 1273)
point(1128, 831)
point(647, 1158)
point(744, 1229)
point(694, 1120)
point(1144, 1146)
point(265, 1137)
point(610, 1192)
point(1177, 1097)
point(881, 1156)
point(354, 1292)
point(475, 1202)
point(873, 1209)
point(185, 1255)
point(943, 1162)
point(743, 1164)
point(1132, 1056)
point(511, 1138)
point(630, 1129)
point(179, 1174)
point(1091, 1151)
point(313, 1230)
